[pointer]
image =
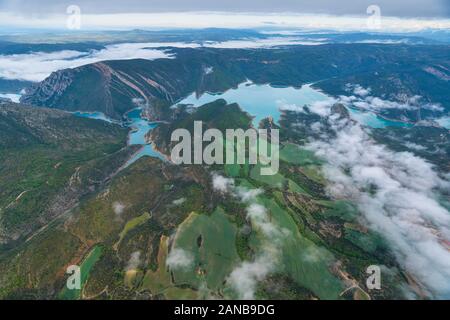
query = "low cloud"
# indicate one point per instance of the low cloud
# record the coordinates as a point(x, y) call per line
point(360, 91)
point(10, 96)
point(37, 66)
point(118, 208)
point(363, 100)
point(247, 195)
point(245, 277)
point(135, 261)
point(179, 259)
point(398, 195)
point(262, 43)
point(322, 108)
point(179, 201)
point(222, 184)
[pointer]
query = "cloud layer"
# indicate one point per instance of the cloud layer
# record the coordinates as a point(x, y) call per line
point(179, 259)
point(39, 65)
point(36, 66)
point(363, 100)
point(397, 193)
point(245, 277)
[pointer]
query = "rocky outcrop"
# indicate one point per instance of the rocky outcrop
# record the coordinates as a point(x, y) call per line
point(47, 92)
point(116, 87)
point(340, 110)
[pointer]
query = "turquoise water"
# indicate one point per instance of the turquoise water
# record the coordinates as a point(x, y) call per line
point(262, 101)
point(370, 119)
point(14, 97)
point(140, 127)
point(444, 122)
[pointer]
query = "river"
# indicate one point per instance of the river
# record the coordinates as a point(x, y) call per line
point(139, 128)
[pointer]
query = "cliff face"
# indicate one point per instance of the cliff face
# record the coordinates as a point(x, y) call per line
point(115, 87)
point(49, 90)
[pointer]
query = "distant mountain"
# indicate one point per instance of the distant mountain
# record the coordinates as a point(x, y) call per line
point(13, 86)
point(391, 71)
point(64, 38)
point(9, 47)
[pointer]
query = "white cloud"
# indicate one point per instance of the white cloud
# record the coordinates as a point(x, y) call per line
point(179, 259)
point(383, 41)
point(322, 108)
point(179, 201)
point(222, 184)
point(397, 193)
point(247, 195)
point(135, 261)
point(39, 65)
point(316, 127)
point(414, 146)
point(291, 107)
point(36, 66)
point(118, 208)
point(360, 91)
point(245, 277)
point(363, 100)
point(261, 43)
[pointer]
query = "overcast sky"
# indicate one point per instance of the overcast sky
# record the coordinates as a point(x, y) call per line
point(339, 15)
point(399, 8)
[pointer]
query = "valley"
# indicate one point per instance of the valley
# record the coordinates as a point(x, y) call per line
point(86, 177)
point(316, 256)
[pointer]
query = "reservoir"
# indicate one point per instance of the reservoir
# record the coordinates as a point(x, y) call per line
point(139, 128)
point(261, 101)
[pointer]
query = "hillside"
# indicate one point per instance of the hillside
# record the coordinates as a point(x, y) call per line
point(395, 72)
point(125, 235)
point(50, 159)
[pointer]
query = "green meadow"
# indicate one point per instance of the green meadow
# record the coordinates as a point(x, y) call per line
point(86, 266)
point(211, 241)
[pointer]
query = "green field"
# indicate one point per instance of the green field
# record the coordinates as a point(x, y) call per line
point(159, 280)
point(214, 257)
point(306, 263)
point(86, 266)
point(133, 223)
point(277, 180)
point(296, 155)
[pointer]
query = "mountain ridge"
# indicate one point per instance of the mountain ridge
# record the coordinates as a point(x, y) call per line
point(112, 86)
